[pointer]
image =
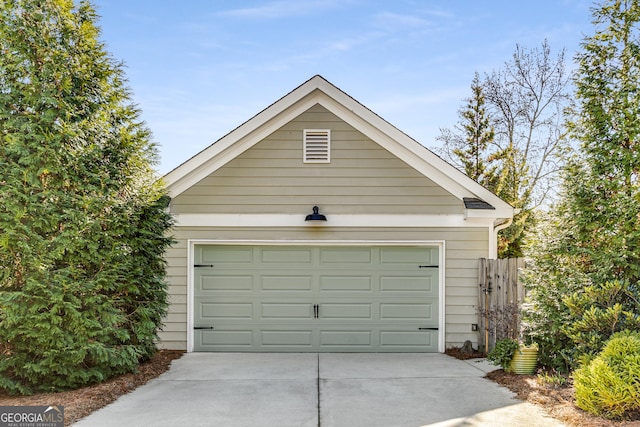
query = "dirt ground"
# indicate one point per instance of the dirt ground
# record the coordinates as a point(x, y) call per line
point(556, 399)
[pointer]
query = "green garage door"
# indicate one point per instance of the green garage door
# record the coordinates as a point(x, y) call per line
point(335, 299)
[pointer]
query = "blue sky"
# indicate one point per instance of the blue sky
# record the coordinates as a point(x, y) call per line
point(198, 69)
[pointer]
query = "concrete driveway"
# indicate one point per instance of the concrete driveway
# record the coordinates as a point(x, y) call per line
point(326, 389)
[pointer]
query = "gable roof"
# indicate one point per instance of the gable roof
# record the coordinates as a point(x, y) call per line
point(317, 90)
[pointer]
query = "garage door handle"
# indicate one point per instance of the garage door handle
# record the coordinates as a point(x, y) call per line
point(203, 327)
point(427, 266)
point(427, 329)
point(316, 311)
point(202, 265)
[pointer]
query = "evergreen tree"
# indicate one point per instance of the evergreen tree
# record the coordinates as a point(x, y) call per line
point(82, 291)
point(600, 211)
point(512, 186)
point(471, 148)
point(471, 143)
point(606, 201)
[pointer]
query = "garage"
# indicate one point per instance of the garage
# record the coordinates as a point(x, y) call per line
point(316, 298)
point(318, 226)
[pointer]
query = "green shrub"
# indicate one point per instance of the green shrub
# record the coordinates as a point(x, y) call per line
point(598, 311)
point(503, 352)
point(609, 385)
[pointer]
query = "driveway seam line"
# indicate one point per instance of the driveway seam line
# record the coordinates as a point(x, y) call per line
point(318, 387)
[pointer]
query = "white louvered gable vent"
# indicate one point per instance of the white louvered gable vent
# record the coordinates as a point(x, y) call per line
point(317, 144)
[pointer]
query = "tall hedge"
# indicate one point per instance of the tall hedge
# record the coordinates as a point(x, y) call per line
point(83, 221)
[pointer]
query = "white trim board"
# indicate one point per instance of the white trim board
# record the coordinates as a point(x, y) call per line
point(280, 220)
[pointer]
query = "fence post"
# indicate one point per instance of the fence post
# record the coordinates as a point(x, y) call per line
point(482, 302)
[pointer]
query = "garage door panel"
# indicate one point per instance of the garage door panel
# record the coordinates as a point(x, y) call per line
point(346, 283)
point(225, 255)
point(341, 340)
point(286, 283)
point(225, 310)
point(211, 282)
point(349, 256)
point(411, 283)
point(407, 311)
point(286, 255)
point(287, 310)
point(408, 256)
point(218, 339)
point(391, 340)
point(345, 311)
point(301, 338)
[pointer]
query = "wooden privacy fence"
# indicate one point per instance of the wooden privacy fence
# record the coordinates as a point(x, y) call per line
point(500, 293)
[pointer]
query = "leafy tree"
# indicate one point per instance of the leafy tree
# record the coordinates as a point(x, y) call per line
point(599, 214)
point(526, 99)
point(83, 220)
point(513, 122)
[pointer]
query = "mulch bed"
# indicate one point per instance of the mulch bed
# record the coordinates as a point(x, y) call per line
point(81, 402)
point(557, 400)
point(459, 354)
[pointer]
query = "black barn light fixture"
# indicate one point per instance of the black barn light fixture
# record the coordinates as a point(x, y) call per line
point(315, 216)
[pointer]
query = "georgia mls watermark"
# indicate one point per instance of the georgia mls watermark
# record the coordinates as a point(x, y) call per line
point(31, 416)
